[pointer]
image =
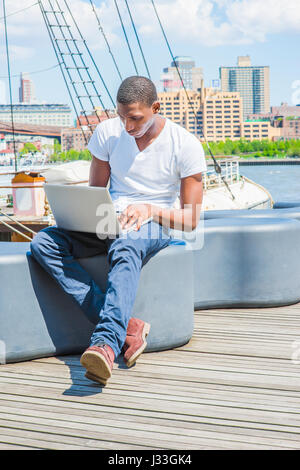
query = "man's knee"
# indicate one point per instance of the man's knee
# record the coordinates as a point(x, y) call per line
point(43, 241)
point(123, 249)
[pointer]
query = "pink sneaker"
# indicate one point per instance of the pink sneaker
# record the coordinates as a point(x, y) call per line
point(98, 361)
point(135, 341)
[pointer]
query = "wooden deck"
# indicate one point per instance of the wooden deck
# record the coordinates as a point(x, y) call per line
point(234, 386)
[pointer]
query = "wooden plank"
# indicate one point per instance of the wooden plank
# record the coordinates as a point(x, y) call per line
point(117, 401)
point(145, 414)
point(179, 426)
point(233, 386)
point(50, 434)
point(14, 447)
point(197, 392)
point(168, 394)
point(105, 425)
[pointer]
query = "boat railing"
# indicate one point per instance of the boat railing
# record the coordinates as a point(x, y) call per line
point(229, 171)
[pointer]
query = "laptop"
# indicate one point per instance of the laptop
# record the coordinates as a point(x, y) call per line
point(85, 209)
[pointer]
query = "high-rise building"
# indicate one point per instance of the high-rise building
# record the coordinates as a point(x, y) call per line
point(219, 115)
point(252, 82)
point(43, 114)
point(175, 106)
point(26, 89)
point(222, 116)
point(190, 74)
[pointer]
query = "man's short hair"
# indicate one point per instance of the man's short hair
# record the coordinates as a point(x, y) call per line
point(137, 89)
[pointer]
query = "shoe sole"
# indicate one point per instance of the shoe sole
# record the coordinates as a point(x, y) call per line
point(132, 360)
point(95, 378)
point(96, 365)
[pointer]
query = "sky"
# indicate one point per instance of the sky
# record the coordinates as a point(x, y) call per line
point(212, 32)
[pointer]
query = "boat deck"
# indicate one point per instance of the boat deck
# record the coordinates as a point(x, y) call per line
point(235, 385)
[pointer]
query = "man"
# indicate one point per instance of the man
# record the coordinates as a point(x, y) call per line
point(146, 158)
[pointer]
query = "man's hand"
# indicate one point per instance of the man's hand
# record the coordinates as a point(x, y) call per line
point(135, 214)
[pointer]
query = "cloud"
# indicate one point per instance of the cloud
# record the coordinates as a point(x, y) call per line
point(256, 19)
point(221, 22)
point(205, 22)
point(26, 26)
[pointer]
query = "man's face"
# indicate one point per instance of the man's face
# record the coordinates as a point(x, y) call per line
point(137, 118)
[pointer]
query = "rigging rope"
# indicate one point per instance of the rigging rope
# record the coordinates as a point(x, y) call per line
point(137, 38)
point(32, 73)
point(126, 38)
point(105, 38)
point(60, 65)
point(19, 11)
point(9, 81)
point(216, 164)
point(91, 57)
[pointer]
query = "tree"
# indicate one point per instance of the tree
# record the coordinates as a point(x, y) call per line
point(28, 148)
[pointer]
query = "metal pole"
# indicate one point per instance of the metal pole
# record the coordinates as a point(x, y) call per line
point(9, 81)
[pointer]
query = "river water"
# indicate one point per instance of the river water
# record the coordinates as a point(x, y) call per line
point(282, 181)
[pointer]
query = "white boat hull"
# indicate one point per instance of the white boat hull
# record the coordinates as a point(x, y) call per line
point(244, 194)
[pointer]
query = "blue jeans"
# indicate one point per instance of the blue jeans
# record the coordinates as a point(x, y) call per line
point(56, 250)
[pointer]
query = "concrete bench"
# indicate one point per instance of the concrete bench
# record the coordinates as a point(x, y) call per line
point(243, 262)
point(37, 319)
point(247, 262)
point(290, 212)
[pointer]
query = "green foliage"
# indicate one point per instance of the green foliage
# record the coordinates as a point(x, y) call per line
point(256, 148)
point(28, 148)
point(70, 155)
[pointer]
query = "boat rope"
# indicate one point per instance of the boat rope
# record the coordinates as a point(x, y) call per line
point(91, 57)
point(126, 38)
point(105, 39)
point(16, 230)
point(64, 28)
point(60, 65)
point(9, 82)
point(138, 39)
point(216, 164)
point(31, 73)
point(17, 222)
point(19, 11)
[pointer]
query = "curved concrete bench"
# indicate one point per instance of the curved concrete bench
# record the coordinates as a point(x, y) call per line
point(288, 212)
point(285, 204)
point(247, 262)
point(37, 319)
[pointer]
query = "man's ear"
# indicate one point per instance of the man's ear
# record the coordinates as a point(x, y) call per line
point(156, 107)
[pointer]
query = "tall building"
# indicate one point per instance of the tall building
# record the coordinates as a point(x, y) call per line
point(190, 74)
point(222, 116)
point(252, 82)
point(26, 89)
point(175, 106)
point(219, 115)
point(43, 114)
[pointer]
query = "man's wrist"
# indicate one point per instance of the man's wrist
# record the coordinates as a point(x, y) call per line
point(153, 211)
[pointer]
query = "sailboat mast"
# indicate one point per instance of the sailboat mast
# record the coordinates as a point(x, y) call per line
point(9, 81)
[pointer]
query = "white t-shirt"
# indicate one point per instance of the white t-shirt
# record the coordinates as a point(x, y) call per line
point(153, 175)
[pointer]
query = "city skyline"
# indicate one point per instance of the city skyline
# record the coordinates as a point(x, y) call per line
point(269, 45)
